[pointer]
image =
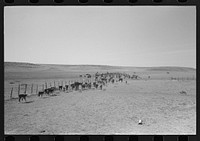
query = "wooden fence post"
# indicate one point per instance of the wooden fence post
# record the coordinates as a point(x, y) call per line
point(37, 89)
point(31, 88)
point(11, 93)
point(25, 88)
point(54, 84)
point(19, 89)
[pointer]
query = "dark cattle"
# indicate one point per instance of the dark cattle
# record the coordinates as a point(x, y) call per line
point(66, 87)
point(135, 77)
point(77, 85)
point(22, 96)
point(94, 83)
point(46, 91)
point(120, 80)
point(72, 86)
point(60, 88)
point(84, 86)
point(52, 89)
point(89, 85)
point(40, 93)
point(88, 76)
point(96, 86)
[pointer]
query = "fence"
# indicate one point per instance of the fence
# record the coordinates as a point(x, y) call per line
point(168, 78)
point(183, 78)
point(14, 90)
point(30, 89)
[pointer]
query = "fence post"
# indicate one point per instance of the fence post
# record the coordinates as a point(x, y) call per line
point(54, 84)
point(11, 93)
point(19, 89)
point(31, 88)
point(37, 89)
point(25, 88)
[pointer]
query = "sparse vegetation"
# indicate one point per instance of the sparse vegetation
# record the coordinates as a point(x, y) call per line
point(158, 102)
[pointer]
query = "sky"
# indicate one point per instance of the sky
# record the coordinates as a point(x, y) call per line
point(140, 36)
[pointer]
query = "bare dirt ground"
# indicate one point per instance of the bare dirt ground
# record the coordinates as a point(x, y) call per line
point(114, 110)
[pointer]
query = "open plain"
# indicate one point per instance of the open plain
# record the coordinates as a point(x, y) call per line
point(116, 109)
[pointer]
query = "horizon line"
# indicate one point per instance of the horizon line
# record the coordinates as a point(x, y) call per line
point(97, 65)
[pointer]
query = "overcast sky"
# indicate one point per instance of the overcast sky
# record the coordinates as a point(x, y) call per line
point(104, 35)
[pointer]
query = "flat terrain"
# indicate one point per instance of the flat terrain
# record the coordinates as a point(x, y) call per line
point(115, 109)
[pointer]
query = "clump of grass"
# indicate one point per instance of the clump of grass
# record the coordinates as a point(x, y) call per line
point(183, 92)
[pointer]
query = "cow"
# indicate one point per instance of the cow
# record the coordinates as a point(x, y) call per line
point(22, 96)
point(52, 89)
point(46, 91)
point(77, 85)
point(120, 80)
point(49, 90)
point(89, 86)
point(60, 88)
point(40, 93)
point(66, 87)
point(96, 85)
point(83, 86)
point(72, 86)
point(88, 76)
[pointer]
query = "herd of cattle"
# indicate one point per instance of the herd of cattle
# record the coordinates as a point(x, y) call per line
point(100, 80)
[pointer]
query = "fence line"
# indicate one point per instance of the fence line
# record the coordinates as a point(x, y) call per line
point(35, 88)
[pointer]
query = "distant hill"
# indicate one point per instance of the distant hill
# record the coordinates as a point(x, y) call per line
point(23, 67)
point(20, 64)
point(169, 68)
